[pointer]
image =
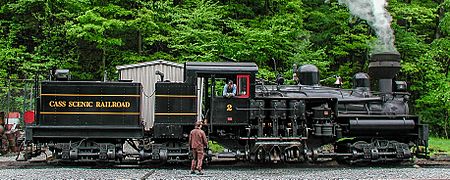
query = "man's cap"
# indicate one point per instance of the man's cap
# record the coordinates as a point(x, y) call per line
point(230, 81)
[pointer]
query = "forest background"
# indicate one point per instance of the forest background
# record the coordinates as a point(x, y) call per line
point(92, 37)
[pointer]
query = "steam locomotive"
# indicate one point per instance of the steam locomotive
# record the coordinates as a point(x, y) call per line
point(93, 121)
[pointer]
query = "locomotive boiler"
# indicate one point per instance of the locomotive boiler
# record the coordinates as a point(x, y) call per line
point(261, 123)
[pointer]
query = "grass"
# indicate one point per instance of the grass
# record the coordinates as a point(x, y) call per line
point(215, 147)
point(439, 145)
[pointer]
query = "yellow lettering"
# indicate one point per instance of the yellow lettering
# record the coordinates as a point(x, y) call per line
point(115, 104)
point(99, 104)
point(57, 104)
point(77, 104)
point(229, 107)
point(89, 104)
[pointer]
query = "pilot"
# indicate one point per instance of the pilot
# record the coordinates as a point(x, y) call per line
point(229, 90)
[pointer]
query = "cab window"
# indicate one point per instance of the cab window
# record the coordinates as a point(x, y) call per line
point(243, 86)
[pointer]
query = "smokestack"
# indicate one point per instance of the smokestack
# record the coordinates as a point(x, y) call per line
point(384, 66)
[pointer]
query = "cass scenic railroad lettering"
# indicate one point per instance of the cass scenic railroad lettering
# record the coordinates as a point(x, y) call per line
point(89, 104)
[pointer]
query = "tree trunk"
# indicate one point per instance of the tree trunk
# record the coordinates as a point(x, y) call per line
point(440, 12)
point(139, 42)
point(446, 123)
point(177, 2)
point(104, 64)
point(447, 68)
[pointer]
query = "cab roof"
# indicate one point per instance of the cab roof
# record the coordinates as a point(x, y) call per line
point(220, 67)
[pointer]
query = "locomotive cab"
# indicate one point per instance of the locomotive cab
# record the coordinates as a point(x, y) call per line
point(200, 98)
point(210, 79)
point(224, 115)
point(226, 108)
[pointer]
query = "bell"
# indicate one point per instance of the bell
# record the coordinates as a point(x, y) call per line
point(338, 81)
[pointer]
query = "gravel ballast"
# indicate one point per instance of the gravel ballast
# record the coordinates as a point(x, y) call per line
point(229, 173)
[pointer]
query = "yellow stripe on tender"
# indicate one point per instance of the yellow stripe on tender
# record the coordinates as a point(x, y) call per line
point(176, 96)
point(90, 113)
point(175, 114)
point(104, 95)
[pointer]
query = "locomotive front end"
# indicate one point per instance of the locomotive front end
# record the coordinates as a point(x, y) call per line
point(378, 124)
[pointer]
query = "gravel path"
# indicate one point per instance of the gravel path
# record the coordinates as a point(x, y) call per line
point(230, 173)
point(9, 169)
point(310, 173)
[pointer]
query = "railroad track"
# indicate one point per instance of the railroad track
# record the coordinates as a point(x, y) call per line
point(329, 170)
point(9, 161)
point(330, 164)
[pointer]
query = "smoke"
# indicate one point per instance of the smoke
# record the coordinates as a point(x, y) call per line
point(374, 12)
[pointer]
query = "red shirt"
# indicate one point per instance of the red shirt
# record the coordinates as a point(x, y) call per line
point(197, 139)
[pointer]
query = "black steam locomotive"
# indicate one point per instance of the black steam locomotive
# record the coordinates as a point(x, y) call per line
point(92, 121)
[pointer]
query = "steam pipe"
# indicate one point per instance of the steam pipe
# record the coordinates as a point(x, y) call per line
point(385, 85)
point(160, 74)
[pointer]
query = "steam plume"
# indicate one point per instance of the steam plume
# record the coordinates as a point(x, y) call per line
point(374, 12)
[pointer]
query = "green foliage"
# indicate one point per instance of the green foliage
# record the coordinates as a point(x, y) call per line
point(197, 35)
point(92, 37)
point(215, 147)
point(439, 145)
point(435, 103)
point(416, 18)
point(266, 74)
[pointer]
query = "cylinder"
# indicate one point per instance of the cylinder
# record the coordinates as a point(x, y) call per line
point(226, 155)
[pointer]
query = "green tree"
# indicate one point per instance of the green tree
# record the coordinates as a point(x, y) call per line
point(98, 27)
point(91, 37)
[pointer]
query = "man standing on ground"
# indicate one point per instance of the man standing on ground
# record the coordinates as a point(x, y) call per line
point(197, 142)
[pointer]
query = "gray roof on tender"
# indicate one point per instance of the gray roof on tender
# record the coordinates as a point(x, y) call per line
point(221, 67)
point(151, 63)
